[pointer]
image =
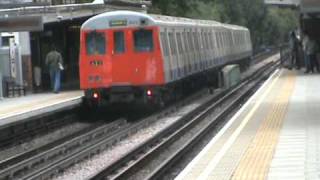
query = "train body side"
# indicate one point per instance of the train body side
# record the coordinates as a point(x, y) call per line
point(183, 51)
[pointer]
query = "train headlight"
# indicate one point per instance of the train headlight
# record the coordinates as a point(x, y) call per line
point(149, 92)
point(95, 95)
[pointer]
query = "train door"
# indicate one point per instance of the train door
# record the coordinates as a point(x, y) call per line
point(145, 56)
point(121, 63)
point(173, 53)
point(165, 54)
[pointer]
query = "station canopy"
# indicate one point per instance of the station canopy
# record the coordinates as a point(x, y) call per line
point(310, 7)
point(282, 2)
point(21, 23)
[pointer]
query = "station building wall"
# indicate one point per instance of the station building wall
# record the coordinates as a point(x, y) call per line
point(66, 38)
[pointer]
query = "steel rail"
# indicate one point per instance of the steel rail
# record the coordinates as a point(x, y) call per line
point(19, 131)
point(164, 167)
point(16, 168)
point(23, 163)
point(153, 143)
point(55, 167)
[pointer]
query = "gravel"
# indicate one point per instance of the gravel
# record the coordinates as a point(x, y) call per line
point(97, 163)
point(43, 140)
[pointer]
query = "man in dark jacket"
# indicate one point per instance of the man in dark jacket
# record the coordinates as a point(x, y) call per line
point(294, 45)
point(55, 63)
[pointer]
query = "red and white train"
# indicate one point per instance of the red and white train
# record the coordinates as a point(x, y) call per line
point(126, 56)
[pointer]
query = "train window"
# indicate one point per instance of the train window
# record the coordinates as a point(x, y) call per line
point(225, 39)
point(217, 40)
point(164, 42)
point(143, 40)
point(196, 41)
point(220, 39)
point(172, 44)
point(229, 39)
point(213, 40)
point(210, 40)
point(236, 38)
point(203, 40)
point(206, 42)
point(186, 42)
point(119, 46)
point(179, 43)
point(95, 43)
point(190, 39)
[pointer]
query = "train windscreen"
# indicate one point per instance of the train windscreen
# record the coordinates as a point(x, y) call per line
point(143, 40)
point(95, 43)
point(119, 46)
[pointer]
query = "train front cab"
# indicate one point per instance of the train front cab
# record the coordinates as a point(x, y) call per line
point(120, 64)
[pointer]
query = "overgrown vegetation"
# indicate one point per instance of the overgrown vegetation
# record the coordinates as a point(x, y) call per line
point(269, 26)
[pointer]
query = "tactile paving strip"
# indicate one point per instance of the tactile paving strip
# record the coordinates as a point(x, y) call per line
point(220, 157)
point(256, 161)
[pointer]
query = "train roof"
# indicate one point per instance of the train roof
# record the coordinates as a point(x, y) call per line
point(130, 18)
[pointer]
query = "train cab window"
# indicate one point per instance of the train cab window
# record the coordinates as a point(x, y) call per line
point(143, 40)
point(95, 43)
point(119, 45)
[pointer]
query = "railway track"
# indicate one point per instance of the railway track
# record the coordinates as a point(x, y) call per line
point(40, 160)
point(50, 160)
point(153, 158)
point(13, 134)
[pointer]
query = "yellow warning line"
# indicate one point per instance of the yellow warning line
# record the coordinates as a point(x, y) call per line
point(220, 154)
point(256, 161)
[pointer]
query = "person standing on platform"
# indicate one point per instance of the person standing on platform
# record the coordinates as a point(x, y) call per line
point(312, 51)
point(305, 43)
point(55, 64)
point(294, 45)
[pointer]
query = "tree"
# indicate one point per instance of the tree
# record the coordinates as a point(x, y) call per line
point(268, 26)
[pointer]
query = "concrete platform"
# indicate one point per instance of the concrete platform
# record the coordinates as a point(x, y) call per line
point(275, 135)
point(16, 109)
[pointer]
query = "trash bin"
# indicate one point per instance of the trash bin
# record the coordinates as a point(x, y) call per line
point(4, 86)
point(37, 77)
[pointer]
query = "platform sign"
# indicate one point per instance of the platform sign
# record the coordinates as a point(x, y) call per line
point(21, 23)
point(310, 6)
point(13, 58)
point(114, 23)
